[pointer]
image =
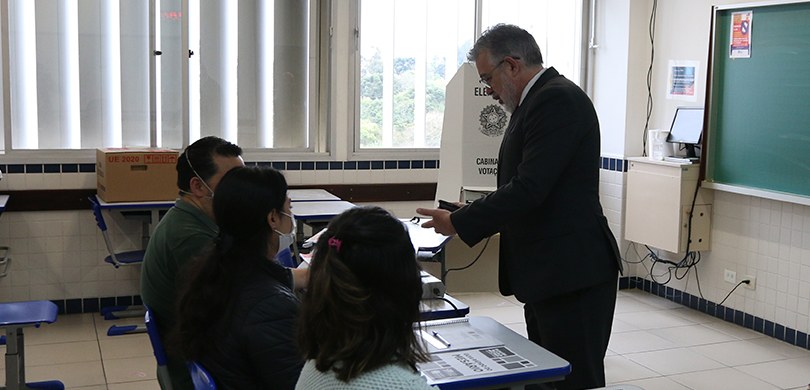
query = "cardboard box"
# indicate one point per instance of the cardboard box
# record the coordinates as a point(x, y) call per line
point(136, 174)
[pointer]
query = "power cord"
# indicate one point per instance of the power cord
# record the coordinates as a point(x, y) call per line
point(649, 78)
point(732, 290)
point(471, 263)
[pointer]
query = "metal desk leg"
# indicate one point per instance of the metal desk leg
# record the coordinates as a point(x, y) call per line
point(15, 359)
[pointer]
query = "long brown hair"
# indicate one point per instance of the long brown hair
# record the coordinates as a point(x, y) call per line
point(366, 285)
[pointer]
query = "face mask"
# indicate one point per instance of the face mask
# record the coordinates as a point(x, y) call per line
point(286, 239)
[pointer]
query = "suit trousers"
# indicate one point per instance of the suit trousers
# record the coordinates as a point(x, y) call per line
point(576, 326)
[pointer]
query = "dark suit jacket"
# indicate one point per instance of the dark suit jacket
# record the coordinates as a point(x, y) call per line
point(554, 237)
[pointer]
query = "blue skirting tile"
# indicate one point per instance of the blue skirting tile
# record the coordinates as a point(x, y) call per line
point(759, 324)
point(52, 168)
point(16, 168)
point(336, 165)
point(307, 165)
point(389, 164)
point(322, 165)
point(33, 168)
point(377, 165)
point(123, 301)
point(790, 336)
point(801, 340)
point(60, 306)
point(749, 321)
point(73, 306)
point(404, 164)
point(90, 305)
point(70, 168)
point(87, 168)
point(293, 165)
point(768, 330)
point(431, 164)
point(364, 165)
point(417, 164)
point(779, 332)
point(349, 165)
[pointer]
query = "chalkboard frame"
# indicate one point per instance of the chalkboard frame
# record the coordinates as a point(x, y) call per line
point(740, 157)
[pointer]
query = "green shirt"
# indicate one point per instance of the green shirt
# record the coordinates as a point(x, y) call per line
point(183, 233)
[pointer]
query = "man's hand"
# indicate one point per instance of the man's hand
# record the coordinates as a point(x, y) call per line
point(441, 221)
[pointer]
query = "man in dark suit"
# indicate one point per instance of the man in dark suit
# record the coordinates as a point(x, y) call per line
point(557, 254)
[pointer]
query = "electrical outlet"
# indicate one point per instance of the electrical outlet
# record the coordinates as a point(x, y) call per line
point(752, 282)
point(730, 276)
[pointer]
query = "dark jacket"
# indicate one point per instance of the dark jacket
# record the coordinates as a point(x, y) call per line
point(257, 346)
point(554, 236)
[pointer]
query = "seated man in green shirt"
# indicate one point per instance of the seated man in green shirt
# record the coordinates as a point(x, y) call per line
point(184, 232)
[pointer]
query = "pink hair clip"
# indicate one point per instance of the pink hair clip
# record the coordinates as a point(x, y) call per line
point(335, 243)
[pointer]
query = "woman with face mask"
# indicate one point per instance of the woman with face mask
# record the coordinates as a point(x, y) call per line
point(237, 314)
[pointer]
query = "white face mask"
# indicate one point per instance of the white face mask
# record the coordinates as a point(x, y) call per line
point(286, 239)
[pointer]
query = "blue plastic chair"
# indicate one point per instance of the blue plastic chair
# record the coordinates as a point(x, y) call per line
point(201, 378)
point(160, 354)
point(14, 316)
point(118, 259)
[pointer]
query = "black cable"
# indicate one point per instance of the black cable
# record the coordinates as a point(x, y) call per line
point(449, 302)
point(732, 290)
point(649, 78)
point(444, 275)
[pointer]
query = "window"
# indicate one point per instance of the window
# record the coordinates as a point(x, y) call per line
point(406, 61)
point(84, 74)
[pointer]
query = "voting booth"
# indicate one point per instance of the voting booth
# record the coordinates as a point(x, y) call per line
point(473, 126)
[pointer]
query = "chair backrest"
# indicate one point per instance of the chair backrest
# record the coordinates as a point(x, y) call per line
point(97, 213)
point(157, 349)
point(201, 378)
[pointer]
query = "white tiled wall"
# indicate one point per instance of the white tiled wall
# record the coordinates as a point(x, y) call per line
point(767, 239)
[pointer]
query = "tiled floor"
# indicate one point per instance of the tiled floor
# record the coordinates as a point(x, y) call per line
point(656, 344)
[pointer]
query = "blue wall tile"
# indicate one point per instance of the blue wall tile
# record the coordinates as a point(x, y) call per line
point(70, 168)
point(322, 165)
point(293, 165)
point(87, 168)
point(376, 165)
point(33, 168)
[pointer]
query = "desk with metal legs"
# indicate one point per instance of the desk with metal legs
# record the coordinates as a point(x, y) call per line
point(14, 317)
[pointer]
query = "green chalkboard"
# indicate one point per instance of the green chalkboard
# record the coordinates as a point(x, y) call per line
point(758, 133)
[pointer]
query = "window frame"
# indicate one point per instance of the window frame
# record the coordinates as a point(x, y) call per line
point(318, 55)
point(353, 138)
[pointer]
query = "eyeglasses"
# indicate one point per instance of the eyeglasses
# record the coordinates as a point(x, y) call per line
point(487, 77)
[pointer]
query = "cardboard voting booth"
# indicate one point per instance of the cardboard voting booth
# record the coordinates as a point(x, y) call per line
point(473, 126)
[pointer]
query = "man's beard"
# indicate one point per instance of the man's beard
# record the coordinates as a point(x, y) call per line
point(509, 97)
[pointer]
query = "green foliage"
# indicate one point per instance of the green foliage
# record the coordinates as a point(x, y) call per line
point(371, 101)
